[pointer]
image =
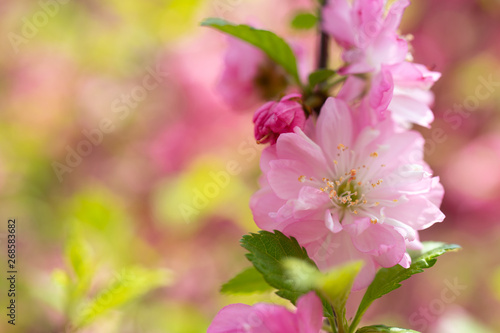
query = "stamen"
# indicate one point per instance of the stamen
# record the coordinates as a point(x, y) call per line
point(342, 147)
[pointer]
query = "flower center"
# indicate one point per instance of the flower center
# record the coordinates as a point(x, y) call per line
point(348, 193)
point(344, 192)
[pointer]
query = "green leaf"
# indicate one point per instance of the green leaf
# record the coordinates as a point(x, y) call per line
point(267, 252)
point(304, 21)
point(319, 76)
point(247, 282)
point(272, 45)
point(389, 279)
point(79, 255)
point(382, 328)
point(127, 286)
point(304, 275)
point(336, 285)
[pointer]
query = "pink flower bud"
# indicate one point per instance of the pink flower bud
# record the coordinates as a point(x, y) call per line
point(274, 118)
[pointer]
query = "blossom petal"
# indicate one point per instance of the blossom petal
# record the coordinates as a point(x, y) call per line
point(283, 177)
point(408, 110)
point(309, 313)
point(334, 127)
point(299, 147)
point(352, 88)
point(332, 221)
point(337, 22)
point(271, 318)
point(231, 319)
point(383, 242)
point(263, 203)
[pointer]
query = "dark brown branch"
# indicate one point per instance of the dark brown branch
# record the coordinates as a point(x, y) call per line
point(323, 44)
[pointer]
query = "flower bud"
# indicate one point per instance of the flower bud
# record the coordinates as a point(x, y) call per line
point(274, 118)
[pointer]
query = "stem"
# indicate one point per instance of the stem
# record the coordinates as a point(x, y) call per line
point(333, 324)
point(323, 45)
point(322, 58)
point(355, 322)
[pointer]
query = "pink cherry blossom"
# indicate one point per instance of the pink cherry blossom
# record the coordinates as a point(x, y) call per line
point(412, 97)
point(274, 118)
point(400, 90)
point(372, 45)
point(270, 318)
point(349, 192)
point(368, 36)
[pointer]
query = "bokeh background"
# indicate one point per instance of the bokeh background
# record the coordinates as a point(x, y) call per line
point(135, 230)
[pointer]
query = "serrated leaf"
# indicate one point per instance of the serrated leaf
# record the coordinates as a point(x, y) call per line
point(382, 328)
point(389, 279)
point(127, 286)
point(267, 252)
point(271, 44)
point(247, 282)
point(304, 21)
point(319, 76)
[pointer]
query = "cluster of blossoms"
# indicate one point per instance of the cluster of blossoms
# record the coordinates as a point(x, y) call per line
point(347, 180)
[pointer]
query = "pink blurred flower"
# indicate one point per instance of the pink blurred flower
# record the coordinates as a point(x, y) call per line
point(455, 320)
point(364, 191)
point(478, 194)
point(274, 118)
point(368, 35)
point(249, 76)
point(237, 84)
point(270, 318)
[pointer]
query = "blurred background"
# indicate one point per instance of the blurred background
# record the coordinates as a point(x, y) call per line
point(129, 177)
